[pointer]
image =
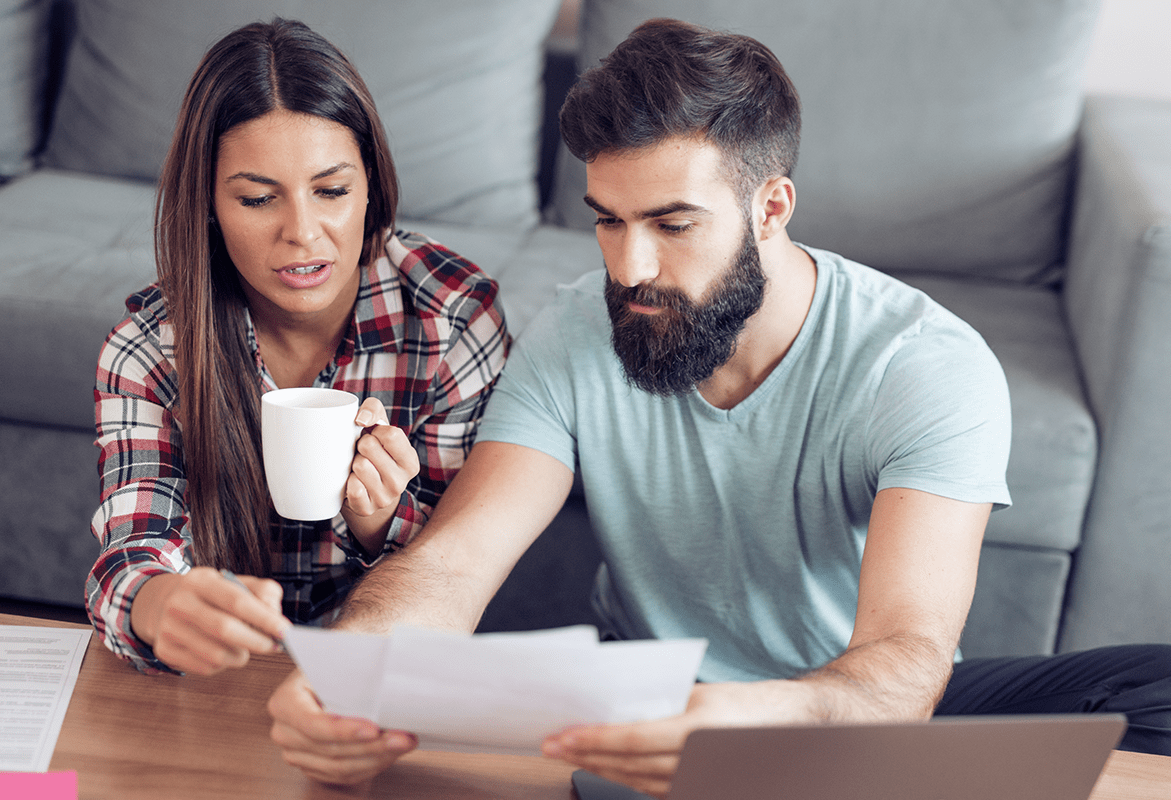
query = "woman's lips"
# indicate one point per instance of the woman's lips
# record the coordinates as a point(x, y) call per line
point(305, 275)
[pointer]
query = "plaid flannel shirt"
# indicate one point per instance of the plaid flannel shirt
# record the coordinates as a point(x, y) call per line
point(428, 339)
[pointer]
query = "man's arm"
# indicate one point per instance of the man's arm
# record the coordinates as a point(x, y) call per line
point(917, 579)
point(498, 504)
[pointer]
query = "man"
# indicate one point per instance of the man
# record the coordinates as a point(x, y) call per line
point(785, 452)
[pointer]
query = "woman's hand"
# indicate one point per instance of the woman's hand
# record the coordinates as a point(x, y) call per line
point(384, 464)
point(327, 747)
point(201, 622)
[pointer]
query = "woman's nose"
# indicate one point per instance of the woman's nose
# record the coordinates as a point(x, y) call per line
point(301, 226)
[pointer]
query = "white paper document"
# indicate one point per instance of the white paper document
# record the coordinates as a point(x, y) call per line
point(494, 692)
point(38, 670)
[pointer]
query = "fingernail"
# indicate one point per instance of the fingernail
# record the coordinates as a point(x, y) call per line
point(552, 749)
point(364, 418)
point(397, 740)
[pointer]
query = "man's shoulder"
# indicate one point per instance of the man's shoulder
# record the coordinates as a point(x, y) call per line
point(578, 305)
point(876, 301)
point(588, 290)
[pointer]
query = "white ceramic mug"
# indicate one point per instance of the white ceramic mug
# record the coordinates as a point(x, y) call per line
point(308, 437)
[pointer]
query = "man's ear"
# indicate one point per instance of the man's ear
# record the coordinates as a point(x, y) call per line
point(774, 204)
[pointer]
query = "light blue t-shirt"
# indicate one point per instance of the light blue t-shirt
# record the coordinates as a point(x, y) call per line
point(746, 526)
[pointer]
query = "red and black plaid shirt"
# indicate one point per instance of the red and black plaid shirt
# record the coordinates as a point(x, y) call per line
point(427, 339)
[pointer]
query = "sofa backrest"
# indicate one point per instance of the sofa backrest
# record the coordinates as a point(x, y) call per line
point(24, 66)
point(938, 135)
point(457, 83)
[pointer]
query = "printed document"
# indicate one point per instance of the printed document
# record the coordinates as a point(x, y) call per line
point(38, 670)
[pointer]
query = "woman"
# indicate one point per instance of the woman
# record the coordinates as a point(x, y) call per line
point(278, 266)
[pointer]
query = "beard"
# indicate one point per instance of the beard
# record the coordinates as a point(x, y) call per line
point(670, 353)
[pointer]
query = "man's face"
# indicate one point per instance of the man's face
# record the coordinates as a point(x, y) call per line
point(684, 272)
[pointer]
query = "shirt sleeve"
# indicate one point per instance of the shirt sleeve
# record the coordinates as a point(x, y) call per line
point(533, 405)
point(942, 421)
point(141, 522)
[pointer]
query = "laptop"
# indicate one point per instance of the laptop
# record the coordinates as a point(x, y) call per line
point(1035, 757)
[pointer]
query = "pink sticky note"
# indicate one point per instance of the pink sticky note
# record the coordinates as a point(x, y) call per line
point(38, 785)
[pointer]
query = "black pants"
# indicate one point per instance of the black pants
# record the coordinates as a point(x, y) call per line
point(1134, 680)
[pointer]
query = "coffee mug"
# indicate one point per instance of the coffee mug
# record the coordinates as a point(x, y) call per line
point(308, 437)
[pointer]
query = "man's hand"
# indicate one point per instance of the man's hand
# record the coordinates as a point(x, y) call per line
point(326, 747)
point(384, 464)
point(645, 755)
point(200, 622)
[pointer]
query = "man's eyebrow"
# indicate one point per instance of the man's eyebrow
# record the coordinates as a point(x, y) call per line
point(676, 207)
point(256, 178)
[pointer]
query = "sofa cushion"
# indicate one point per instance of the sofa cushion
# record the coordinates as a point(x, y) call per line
point(432, 67)
point(1016, 610)
point(937, 136)
point(76, 246)
point(50, 491)
point(24, 47)
point(550, 257)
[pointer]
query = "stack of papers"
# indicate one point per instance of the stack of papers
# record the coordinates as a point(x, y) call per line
point(38, 670)
point(494, 692)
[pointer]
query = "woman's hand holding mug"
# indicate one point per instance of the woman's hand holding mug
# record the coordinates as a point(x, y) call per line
point(384, 463)
point(314, 469)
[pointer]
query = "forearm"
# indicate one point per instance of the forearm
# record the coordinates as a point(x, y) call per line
point(416, 586)
point(134, 551)
point(900, 677)
point(504, 496)
point(111, 588)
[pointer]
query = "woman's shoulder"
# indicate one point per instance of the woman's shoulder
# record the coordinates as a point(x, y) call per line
point(148, 303)
point(146, 319)
point(437, 279)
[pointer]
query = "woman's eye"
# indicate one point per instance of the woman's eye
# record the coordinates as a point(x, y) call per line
point(255, 202)
point(334, 191)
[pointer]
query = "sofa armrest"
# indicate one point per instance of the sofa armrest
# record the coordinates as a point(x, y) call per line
point(1118, 304)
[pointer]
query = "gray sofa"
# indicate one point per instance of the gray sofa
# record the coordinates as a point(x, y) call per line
point(946, 142)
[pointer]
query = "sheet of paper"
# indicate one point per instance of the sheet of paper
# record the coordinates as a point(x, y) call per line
point(496, 692)
point(38, 670)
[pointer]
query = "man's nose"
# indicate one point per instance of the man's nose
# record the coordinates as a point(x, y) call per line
point(635, 262)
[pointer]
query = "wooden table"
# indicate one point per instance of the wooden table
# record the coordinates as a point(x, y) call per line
point(132, 736)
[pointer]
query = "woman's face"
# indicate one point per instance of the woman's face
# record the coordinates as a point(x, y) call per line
point(290, 200)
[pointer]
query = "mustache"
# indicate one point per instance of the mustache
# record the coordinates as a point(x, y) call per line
point(647, 294)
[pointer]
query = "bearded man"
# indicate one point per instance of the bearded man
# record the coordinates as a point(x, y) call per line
point(784, 452)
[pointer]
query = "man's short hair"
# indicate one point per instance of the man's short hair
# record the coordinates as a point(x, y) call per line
point(672, 78)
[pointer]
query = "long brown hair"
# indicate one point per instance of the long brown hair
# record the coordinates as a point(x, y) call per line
point(250, 72)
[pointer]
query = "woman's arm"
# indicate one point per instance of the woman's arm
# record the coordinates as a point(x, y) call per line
point(145, 604)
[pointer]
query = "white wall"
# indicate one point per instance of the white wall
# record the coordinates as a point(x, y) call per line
point(1131, 53)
